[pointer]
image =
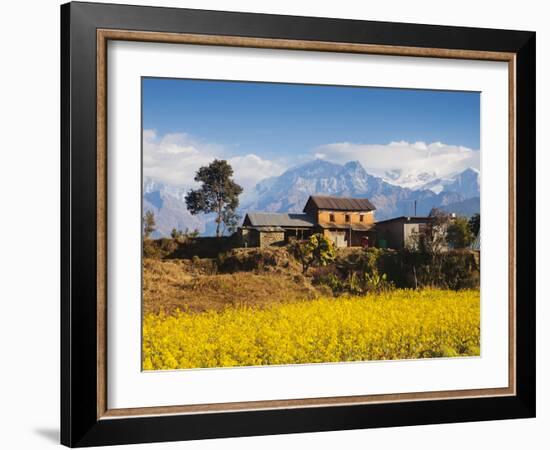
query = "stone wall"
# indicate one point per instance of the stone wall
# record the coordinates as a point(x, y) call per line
point(268, 238)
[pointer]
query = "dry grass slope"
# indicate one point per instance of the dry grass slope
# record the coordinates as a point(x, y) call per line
point(193, 286)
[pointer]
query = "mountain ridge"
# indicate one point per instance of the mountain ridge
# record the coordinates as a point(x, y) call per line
point(289, 191)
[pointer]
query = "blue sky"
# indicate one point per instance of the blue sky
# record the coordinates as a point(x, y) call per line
point(285, 124)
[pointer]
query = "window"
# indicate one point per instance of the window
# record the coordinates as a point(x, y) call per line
point(331, 218)
point(361, 218)
point(347, 217)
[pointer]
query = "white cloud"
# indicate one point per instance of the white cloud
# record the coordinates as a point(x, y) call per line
point(175, 158)
point(249, 169)
point(402, 161)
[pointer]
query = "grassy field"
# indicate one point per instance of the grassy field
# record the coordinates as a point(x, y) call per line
point(402, 324)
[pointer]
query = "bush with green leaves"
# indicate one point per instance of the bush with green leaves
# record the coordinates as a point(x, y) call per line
point(159, 248)
point(355, 273)
point(318, 250)
point(331, 277)
point(183, 236)
point(149, 224)
point(459, 233)
point(379, 270)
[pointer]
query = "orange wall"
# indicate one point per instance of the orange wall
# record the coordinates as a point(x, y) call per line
point(340, 217)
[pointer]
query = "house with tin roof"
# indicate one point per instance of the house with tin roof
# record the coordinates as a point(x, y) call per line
point(399, 232)
point(346, 221)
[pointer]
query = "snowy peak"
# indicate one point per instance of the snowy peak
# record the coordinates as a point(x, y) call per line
point(466, 183)
point(151, 186)
point(354, 166)
point(411, 179)
point(167, 203)
point(315, 168)
point(289, 192)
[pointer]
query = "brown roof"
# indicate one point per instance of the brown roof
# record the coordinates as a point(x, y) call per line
point(340, 203)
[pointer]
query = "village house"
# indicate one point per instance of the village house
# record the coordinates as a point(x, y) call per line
point(347, 222)
point(265, 229)
point(399, 232)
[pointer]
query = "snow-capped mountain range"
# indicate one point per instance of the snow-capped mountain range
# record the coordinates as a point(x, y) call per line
point(419, 180)
point(394, 195)
point(168, 205)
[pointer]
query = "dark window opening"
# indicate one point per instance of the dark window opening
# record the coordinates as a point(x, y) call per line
point(331, 218)
point(347, 217)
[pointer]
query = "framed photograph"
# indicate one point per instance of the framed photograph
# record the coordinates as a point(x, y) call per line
point(276, 224)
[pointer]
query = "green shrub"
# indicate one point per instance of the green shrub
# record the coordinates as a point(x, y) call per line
point(329, 276)
point(377, 270)
point(355, 273)
point(159, 248)
point(459, 233)
point(461, 271)
point(318, 250)
point(454, 269)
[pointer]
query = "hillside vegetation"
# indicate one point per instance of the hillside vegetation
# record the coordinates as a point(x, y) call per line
point(257, 279)
point(296, 304)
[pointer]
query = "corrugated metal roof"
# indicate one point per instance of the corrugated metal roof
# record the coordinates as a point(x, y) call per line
point(278, 219)
point(341, 203)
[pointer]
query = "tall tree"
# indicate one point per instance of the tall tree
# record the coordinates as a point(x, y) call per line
point(218, 193)
point(317, 250)
point(431, 239)
point(427, 248)
point(149, 224)
point(230, 220)
point(459, 233)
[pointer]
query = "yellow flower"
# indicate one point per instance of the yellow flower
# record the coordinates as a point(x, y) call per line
point(401, 324)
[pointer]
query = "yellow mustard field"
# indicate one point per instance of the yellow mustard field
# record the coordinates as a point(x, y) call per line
point(401, 324)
